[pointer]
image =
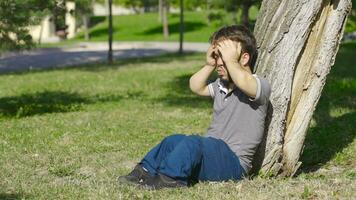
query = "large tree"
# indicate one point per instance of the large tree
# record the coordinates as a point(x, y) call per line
point(297, 42)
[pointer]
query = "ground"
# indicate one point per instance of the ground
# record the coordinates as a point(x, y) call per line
point(68, 133)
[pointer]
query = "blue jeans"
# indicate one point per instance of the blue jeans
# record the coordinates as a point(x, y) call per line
point(192, 158)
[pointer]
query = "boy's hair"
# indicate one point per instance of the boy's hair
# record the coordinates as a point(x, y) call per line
point(240, 34)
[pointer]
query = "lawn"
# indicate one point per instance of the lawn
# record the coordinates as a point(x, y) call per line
point(68, 133)
point(146, 27)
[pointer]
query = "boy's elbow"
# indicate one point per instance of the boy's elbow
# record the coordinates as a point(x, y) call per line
point(192, 86)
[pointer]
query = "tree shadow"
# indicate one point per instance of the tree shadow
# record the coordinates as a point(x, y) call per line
point(261, 149)
point(47, 102)
point(94, 20)
point(324, 141)
point(101, 32)
point(174, 28)
point(179, 94)
point(331, 134)
point(12, 196)
point(335, 114)
point(132, 59)
point(87, 60)
point(345, 62)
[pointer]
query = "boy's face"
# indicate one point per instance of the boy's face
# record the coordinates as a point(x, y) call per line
point(220, 66)
point(221, 69)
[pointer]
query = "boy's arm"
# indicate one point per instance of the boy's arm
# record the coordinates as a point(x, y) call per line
point(197, 82)
point(230, 52)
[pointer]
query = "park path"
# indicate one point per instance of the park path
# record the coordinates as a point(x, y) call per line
point(88, 52)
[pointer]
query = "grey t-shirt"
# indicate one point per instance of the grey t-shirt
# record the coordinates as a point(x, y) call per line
point(239, 120)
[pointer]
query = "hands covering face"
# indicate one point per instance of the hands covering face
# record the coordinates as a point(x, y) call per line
point(228, 50)
point(211, 56)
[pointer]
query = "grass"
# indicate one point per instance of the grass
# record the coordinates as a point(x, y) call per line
point(68, 133)
point(146, 27)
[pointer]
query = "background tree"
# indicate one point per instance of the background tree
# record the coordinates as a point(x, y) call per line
point(245, 6)
point(217, 10)
point(165, 13)
point(181, 27)
point(297, 43)
point(110, 57)
point(15, 17)
point(83, 11)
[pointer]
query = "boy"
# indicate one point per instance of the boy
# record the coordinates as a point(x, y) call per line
point(240, 106)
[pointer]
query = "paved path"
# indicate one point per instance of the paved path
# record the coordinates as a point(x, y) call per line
point(86, 52)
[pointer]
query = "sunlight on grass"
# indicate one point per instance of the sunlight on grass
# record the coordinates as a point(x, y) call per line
point(68, 133)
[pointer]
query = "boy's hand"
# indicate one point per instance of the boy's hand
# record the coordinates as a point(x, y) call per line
point(229, 51)
point(211, 56)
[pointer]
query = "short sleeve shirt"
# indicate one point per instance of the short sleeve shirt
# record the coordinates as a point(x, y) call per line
point(239, 120)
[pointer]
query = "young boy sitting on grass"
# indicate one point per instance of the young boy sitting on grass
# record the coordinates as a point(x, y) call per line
point(240, 106)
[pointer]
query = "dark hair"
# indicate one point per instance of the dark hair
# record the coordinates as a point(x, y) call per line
point(240, 34)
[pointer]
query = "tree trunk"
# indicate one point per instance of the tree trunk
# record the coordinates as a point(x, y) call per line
point(297, 44)
point(146, 6)
point(165, 19)
point(181, 27)
point(208, 4)
point(245, 7)
point(160, 11)
point(85, 19)
point(110, 59)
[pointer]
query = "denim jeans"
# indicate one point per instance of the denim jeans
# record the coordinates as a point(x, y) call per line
point(193, 158)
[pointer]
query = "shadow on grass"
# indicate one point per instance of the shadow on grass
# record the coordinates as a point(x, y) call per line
point(148, 56)
point(335, 114)
point(11, 196)
point(101, 32)
point(47, 102)
point(174, 28)
point(94, 20)
point(118, 63)
point(179, 94)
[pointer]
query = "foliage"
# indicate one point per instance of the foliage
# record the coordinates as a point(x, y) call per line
point(83, 6)
point(351, 20)
point(15, 16)
point(58, 12)
point(232, 5)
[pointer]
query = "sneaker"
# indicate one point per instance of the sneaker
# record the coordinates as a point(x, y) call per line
point(137, 176)
point(162, 181)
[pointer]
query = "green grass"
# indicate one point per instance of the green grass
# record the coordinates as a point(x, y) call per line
point(146, 27)
point(68, 133)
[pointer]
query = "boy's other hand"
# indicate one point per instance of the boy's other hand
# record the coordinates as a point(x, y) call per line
point(229, 51)
point(211, 56)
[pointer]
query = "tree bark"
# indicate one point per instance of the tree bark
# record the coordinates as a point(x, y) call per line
point(160, 10)
point(146, 6)
point(165, 11)
point(110, 58)
point(297, 44)
point(85, 19)
point(181, 27)
point(245, 7)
